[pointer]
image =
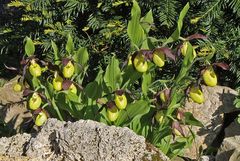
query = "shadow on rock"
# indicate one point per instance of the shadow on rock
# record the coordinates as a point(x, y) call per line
point(218, 103)
point(14, 115)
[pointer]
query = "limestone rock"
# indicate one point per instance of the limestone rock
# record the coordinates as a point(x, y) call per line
point(8, 158)
point(230, 147)
point(207, 158)
point(13, 111)
point(15, 115)
point(8, 95)
point(236, 155)
point(14, 146)
point(218, 100)
point(82, 140)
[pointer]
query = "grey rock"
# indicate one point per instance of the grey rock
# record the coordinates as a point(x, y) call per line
point(82, 140)
point(8, 158)
point(8, 95)
point(14, 146)
point(14, 115)
point(230, 147)
point(13, 111)
point(207, 158)
point(218, 101)
point(41, 146)
point(236, 155)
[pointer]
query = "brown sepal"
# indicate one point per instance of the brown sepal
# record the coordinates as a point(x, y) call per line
point(65, 61)
point(119, 92)
point(110, 104)
point(196, 36)
point(168, 52)
point(66, 84)
point(27, 92)
point(222, 65)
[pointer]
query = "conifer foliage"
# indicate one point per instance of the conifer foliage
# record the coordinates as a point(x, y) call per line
point(101, 26)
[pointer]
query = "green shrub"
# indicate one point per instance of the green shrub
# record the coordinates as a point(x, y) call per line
point(101, 27)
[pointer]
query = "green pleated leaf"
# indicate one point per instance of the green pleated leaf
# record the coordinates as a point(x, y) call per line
point(81, 58)
point(147, 21)
point(55, 50)
point(134, 29)
point(176, 34)
point(191, 120)
point(146, 81)
point(133, 110)
point(29, 47)
point(73, 97)
point(70, 45)
point(112, 76)
point(93, 90)
point(188, 59)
